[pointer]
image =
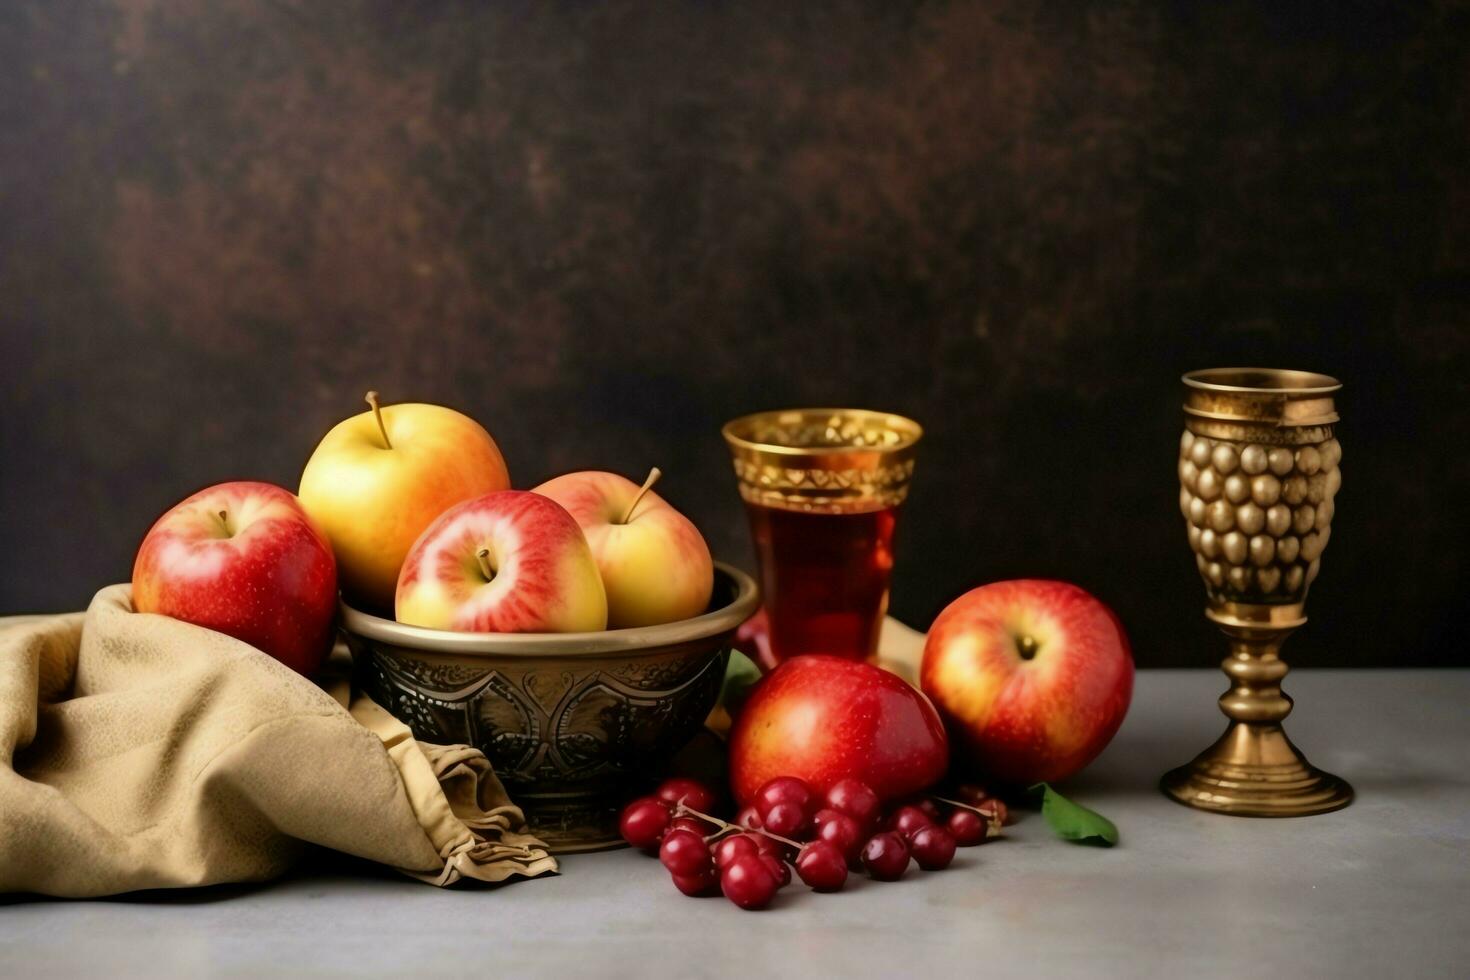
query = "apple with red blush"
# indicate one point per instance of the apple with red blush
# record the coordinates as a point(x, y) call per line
point(378, 479)
point(826, 719)
point(1033, 678)
point(245, 559)
point(654, 563)
point(506, 562)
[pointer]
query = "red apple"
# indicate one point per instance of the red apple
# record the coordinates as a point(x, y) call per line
point(244, 559)
point(654, 562)
point(825, 719)
point(507, 562)
point(1032, 676)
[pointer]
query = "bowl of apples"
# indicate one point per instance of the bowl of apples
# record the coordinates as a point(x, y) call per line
point(576, 633)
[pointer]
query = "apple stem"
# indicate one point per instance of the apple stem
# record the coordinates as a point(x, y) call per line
point(224, 522)
point(1027, 646)
point(484, 555)
point(372, 399)
point(653, 476)
point(683, 810)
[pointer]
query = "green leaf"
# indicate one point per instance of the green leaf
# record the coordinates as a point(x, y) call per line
point(741, 674)
point(1073, 821)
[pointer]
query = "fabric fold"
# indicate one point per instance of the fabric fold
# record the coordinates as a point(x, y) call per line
point(138, 751)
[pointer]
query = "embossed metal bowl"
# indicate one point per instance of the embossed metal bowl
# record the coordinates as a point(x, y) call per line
point(569, 720)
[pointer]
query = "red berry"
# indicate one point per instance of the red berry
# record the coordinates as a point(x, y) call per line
point(967, 827)
point(779, 868)
point(822, 866)
point(732, 847)
point(748, 818)
point(886, 856)
point(933, 848)
point(748, 882)
point(840, 830)
point(685, 853)
point(908, 820)
point(786, 819)
point(692, 824)
point(856, 799)
point(929, 806)
point(690, 792)
point(771, 846)
point(783, 789)
point(704, 883)
point(824, 815)
point(644, 821)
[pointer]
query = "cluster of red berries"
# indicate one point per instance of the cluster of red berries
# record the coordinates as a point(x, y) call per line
point(788, 823)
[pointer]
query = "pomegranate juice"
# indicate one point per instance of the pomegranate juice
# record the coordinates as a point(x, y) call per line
point(825, 578)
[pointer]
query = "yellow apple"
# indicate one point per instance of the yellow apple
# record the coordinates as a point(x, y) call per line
point(655, 565)
point(507, 562)
point(378, 479)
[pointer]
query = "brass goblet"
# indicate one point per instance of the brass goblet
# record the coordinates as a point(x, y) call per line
point(1258, 471)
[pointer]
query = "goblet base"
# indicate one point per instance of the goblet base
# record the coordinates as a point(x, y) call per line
point(1255, 771)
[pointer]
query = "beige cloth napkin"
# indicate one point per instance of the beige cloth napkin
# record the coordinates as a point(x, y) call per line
point(138, 751)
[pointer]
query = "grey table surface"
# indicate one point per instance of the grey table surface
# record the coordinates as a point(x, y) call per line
point(1381, 888)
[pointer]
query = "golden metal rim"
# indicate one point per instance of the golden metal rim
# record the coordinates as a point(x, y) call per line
point(910, 431)
point(536, 645)
point(1303, 422)
point(1254, 615)
point(1301, 382)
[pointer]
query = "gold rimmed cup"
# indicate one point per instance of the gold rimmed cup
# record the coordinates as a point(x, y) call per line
point(823, 488)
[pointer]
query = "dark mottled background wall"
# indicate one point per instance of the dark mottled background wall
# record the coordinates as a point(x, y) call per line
point(604, 229)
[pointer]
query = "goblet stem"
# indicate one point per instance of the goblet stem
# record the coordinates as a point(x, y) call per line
point(1254, 770)
point(1256, 668)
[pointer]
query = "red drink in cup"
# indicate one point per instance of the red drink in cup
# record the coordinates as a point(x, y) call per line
point(822, 488)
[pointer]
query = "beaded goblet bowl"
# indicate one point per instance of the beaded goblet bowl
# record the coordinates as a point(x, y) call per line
point(1258, 476)
point(1259, 514)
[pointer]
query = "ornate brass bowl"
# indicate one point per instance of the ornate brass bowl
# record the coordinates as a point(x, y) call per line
point(569, 720)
